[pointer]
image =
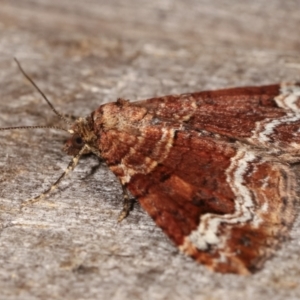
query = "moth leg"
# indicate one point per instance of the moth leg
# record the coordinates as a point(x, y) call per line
point(127, 205)
point(95, 168)
point(73, 163)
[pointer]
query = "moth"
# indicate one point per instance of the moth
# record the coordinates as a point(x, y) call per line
point(212, 168)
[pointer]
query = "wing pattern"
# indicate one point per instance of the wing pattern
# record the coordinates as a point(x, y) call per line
point(211, 168)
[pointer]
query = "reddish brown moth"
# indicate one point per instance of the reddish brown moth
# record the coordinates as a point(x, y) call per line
point(211, 168)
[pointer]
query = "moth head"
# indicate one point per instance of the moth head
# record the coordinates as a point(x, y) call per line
point(74, 144)
point(83, 136)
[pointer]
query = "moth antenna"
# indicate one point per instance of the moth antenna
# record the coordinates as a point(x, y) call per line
point(34, 127)
point(72, 164)
point(62, 117)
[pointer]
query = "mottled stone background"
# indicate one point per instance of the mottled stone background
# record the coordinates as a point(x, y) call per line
point(85, 53)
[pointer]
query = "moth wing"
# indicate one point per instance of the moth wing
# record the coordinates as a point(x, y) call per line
point(221, 201)
point(264, 116)
point(226, 206)
point(229, 111)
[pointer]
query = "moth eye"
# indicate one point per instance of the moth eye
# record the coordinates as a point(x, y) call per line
point(78, 141)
